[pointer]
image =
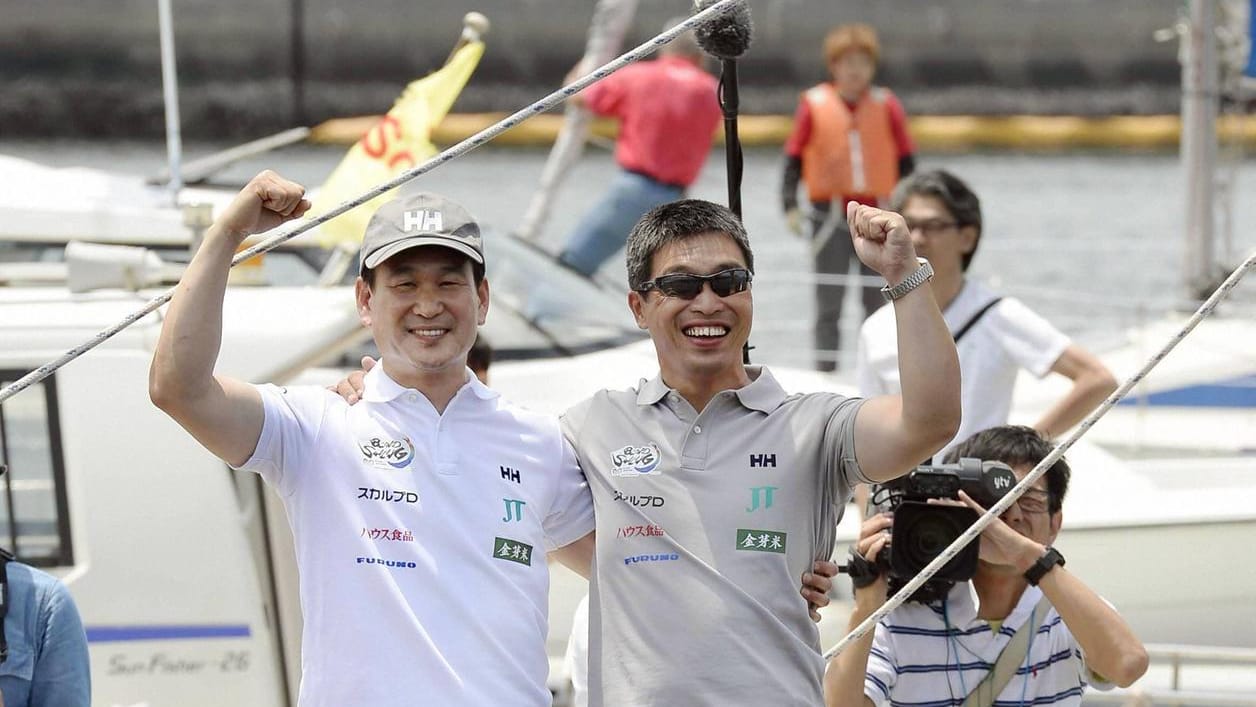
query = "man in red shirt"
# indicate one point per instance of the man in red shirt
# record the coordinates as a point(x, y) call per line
point(668, 111)
point(849, 143)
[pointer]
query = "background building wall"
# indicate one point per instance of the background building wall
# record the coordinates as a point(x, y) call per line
point(91, 67)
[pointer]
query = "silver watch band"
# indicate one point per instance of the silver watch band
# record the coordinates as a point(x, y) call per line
point(923, 274)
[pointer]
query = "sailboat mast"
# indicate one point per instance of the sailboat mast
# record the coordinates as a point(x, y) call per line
point(170, 95)
point(1200, 97)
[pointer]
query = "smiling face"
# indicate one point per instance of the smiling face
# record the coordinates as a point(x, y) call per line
point(698, 341)
point(423, 309)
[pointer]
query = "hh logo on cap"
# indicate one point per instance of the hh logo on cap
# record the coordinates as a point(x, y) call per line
point(423, 220)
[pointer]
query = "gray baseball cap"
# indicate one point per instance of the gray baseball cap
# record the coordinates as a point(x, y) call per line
point(417, 219)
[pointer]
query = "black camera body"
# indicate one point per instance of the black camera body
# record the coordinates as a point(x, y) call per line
point(922, 530)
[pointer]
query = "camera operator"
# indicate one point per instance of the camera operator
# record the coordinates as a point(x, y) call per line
point(970, 646)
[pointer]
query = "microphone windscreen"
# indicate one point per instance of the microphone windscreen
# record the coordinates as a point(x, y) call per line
point(726, 36)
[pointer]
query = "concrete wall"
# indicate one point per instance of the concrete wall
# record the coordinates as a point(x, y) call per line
point(91, 66)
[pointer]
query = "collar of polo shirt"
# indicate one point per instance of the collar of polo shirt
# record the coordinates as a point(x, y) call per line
point(763, 393)
point(378, 387)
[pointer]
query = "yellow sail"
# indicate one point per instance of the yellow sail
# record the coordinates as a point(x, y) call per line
point(400, 140)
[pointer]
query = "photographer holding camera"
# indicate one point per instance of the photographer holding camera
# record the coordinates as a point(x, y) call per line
point(1023, 630)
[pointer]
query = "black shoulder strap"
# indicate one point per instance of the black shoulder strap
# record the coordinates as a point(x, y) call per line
point(5, 558)
point(976, 318)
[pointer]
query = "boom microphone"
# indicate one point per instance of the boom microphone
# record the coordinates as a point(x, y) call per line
point(727, 36)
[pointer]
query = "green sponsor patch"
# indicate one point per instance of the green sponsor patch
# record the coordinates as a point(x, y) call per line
point(512, 550)
point(761, 540)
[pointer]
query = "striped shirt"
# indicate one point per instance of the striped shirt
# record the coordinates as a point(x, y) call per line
point(934, 655)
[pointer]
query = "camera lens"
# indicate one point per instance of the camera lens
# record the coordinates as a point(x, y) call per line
point(922, 531)
point(929, 536)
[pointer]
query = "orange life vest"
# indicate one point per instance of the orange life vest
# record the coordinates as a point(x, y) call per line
point(849, 152)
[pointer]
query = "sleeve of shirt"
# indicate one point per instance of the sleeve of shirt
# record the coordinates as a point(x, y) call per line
point(898, 125)
point(607, 97)
point(62, 676)
point(879, 679)
point(1027, 338)
point(571, 515)
point(293, 418)
point(841, 467)
point(800, 135)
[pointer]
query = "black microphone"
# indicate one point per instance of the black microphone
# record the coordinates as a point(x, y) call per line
point(727, 37)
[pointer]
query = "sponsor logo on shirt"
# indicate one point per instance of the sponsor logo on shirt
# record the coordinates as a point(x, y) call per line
point(512, 551)
point(640, 501)
point(664, 557)
point(387, 495)
point(636, 460)
point(761, 540)
point(762, 460)
point(396, 564)
point(380, 453)
point(760, 497)
point(640, 531)
point(514, 510)
point(510, 474)
point(390, 534)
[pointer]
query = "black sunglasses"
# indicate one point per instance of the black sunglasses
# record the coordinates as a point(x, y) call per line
point(687, 285)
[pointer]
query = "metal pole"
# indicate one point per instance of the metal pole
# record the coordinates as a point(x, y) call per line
point(297, 60)
point(1200, 84)
point(170, 95)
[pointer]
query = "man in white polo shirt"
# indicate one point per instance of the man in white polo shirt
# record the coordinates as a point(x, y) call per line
point(1024, 631)
point(715, 489)
point(422, 515)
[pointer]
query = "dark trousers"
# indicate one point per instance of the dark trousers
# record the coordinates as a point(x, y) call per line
point(832, 257)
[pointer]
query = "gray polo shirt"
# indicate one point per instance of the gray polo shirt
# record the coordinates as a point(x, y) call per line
point(705, 525)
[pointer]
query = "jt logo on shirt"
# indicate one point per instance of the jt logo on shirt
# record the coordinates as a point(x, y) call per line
point(760, 493)
point(514, 510)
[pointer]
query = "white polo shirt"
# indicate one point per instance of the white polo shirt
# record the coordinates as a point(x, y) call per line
point(935, 654)
point(421, 540)
point(1007, 338)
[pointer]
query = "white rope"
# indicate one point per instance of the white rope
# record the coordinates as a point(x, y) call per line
point(1004, 503)
point(721, 8)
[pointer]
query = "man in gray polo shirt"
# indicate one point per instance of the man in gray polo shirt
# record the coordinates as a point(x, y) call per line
point(715, 490)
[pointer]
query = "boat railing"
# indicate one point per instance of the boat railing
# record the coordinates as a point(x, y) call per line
point(1177, 660)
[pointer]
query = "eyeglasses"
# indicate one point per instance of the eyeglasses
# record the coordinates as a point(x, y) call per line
point(1033, 502)
point(931, 226)
point(687, 285)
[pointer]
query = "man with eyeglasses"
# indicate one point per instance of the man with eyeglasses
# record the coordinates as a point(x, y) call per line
point(995, 336)
point(715, 489)
point(1024, 630)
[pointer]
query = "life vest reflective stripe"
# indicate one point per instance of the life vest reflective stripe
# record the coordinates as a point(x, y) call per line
point(849, 152)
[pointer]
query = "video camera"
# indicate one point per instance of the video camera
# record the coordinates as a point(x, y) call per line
point(922, 530)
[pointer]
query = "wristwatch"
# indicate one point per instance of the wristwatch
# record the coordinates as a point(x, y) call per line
point(923, 274)
point(1045, 564)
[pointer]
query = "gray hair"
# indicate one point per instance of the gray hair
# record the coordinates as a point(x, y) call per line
point(954, 194)
point(673, 222)
point(685, 43)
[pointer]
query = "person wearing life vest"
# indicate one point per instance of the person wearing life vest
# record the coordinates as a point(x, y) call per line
point(849, 143)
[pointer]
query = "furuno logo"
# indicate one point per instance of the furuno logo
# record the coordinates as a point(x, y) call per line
point(763, 460)
point(388, 496)
point(396, 564)
point(761, 540)
point(422, 220)
point(641, 501)
point(512, 551)
point(636, 460)
point(384, 453)
point(664, 557)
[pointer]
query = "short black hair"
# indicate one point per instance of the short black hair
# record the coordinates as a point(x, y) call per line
point(675, 221)
point(954, 194)
point(1017, 445)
